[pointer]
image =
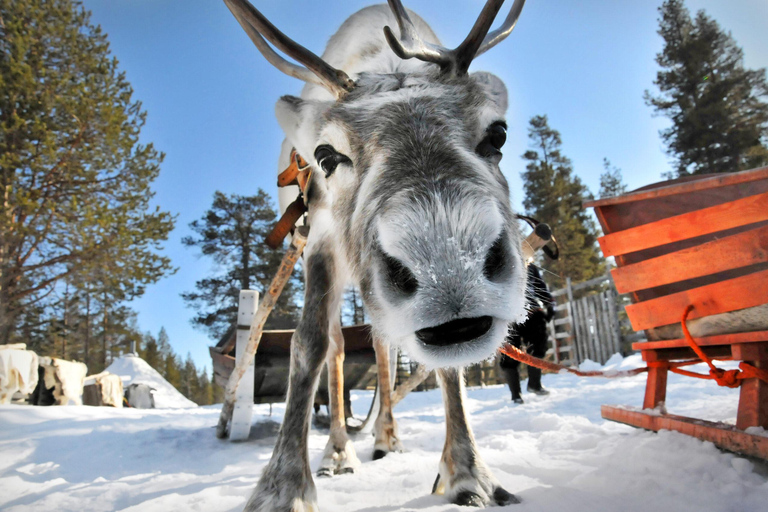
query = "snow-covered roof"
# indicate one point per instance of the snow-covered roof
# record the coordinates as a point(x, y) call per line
point(134, 370)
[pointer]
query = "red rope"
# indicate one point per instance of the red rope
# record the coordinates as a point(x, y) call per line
point(518, 355)
point(728, 378)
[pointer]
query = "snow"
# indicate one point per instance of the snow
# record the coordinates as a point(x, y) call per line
point(556, 453)
point(134, 370)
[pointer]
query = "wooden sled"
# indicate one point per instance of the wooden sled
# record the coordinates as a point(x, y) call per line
point(271, 365)
point(700, 241)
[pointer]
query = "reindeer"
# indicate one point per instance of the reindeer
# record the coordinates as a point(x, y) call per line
point(406, 201)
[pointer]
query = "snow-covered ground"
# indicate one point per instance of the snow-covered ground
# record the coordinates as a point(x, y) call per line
point(555, 452)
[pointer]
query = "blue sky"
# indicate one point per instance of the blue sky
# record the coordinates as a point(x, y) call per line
point(210, 98)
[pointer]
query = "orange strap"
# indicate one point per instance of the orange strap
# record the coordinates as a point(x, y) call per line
point(298, 173)
point(518, 355)
point(727, 378)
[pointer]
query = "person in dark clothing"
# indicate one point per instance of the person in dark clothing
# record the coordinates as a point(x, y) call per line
point(532, 332)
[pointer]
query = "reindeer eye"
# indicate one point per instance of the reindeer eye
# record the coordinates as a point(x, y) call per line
point(328, 158)
point(495, 137)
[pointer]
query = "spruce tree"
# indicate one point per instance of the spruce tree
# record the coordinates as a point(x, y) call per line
point(232, 233)
point(611, 181)
point(553, 194)
point(74, 179)
point(717, 107)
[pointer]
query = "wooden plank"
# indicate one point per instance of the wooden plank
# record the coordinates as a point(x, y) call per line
point(655, 388)
point(591, 282)
point(594, 306)
point(563, 321)
point(739, 293)
point(717, 181)
point(581, 341)
point(562, 335)
point(574, 338)
point(740, 250)
point(614, 316)
point(722, 435)
point(240, 427)
point(736, 213)
point(750, 351)
point(753, 401)
point(705, 341)
point(605, 323)
point(592, 325)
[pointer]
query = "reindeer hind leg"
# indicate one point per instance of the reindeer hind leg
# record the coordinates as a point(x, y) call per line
point(385, 427)
point(339, 456)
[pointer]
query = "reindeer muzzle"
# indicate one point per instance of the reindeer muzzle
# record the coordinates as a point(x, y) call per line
point(455, 331)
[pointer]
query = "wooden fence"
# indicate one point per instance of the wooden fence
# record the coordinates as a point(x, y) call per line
point(588, 327)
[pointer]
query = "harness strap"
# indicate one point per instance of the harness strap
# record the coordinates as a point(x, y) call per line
point(297, 173)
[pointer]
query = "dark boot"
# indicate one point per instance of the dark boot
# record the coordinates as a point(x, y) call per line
point(534, 381)
point(514, 387)
point(513, 381)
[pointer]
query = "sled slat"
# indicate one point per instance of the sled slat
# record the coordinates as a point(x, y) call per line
point(741, 212)
point(739, 293)
point(735, 251)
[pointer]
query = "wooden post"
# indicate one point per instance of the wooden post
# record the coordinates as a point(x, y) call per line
point(753, 398)
point(257, 327)
point(655, 388)
point(241, 415)
point(572, 313)
point(416, 378)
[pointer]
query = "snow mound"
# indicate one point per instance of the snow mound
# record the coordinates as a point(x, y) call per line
point(134, 370)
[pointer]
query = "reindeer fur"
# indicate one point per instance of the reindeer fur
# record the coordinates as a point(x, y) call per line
point(413, 191)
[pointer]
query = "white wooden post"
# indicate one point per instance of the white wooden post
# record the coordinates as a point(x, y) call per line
point(242, 413)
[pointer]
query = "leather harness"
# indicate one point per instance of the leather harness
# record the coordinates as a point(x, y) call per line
point(297, 173)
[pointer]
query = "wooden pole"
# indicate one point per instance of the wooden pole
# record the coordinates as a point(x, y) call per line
point(416, 378)
point(257, 327)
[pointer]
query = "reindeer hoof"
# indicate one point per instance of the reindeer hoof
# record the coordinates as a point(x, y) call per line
point(502, 497)
point(345, 471)
point(379, 454)
point(468, 499)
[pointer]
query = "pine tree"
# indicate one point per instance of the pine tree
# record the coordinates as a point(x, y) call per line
point(151, 353)
point(553, 194)
point(74, 179)
point(717, 107)
point(232, 232)
point(611, 181)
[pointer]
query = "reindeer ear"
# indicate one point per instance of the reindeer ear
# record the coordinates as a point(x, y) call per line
point(301, 121)
point(494, 88)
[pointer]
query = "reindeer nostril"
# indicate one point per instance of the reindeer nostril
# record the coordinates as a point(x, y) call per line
point(495, 261)
point(400, 277)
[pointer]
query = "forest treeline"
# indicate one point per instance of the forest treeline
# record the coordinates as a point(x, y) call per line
point(80, 237)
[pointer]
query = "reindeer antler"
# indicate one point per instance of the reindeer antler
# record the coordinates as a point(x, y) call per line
point(317, 71)
point(478, 40)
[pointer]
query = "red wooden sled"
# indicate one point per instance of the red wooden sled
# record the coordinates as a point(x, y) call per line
point(700, 241)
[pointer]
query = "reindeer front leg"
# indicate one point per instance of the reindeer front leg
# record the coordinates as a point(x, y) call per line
point(286, 484)
point(339, 456)
point(385, 426)
point(464, 478)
